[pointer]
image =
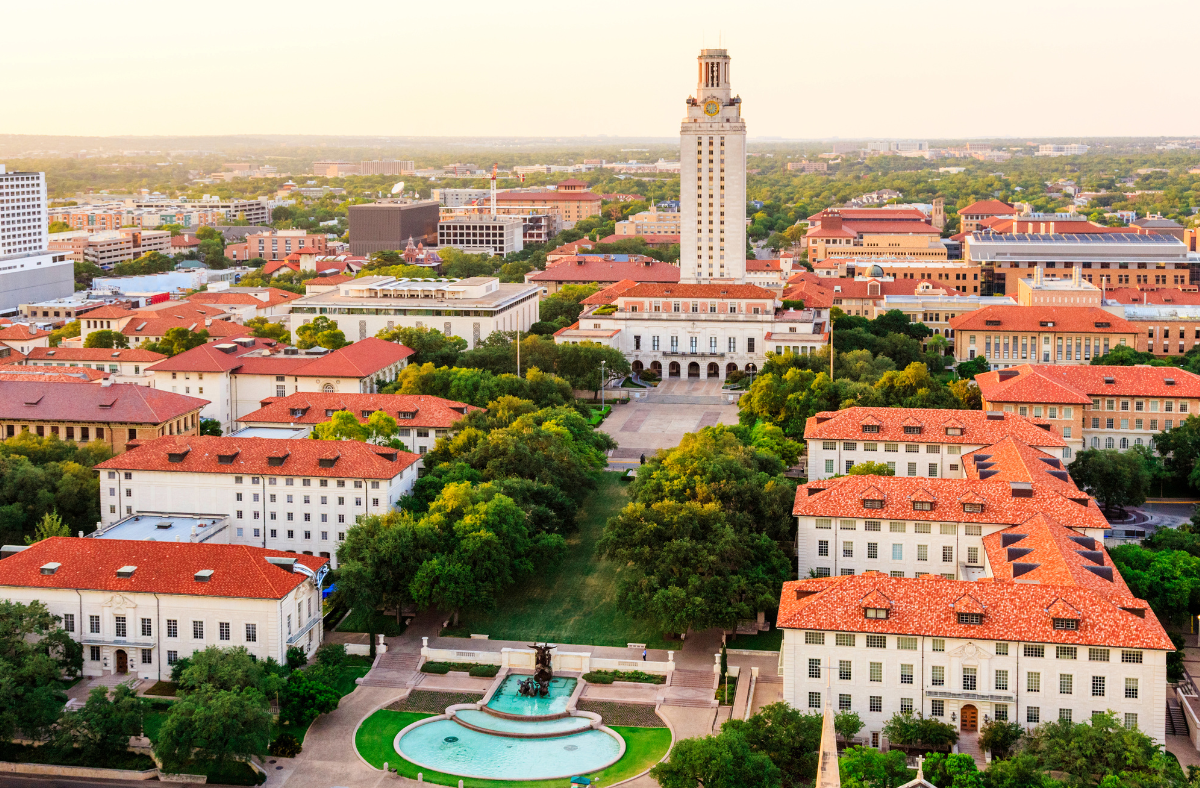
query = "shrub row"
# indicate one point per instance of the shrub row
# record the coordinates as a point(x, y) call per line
point(609, 676)
point(479, 671)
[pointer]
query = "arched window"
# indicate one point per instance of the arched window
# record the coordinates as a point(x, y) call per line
point(1124, 443)
point(1108, 443)
point(1137, 441)
point(1095, 443)
point(329, 390)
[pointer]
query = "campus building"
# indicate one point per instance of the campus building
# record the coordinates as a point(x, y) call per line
point(29, 271)
point(138, 607)
point(299, 495)
point(1096, 407)
point(1010, 335)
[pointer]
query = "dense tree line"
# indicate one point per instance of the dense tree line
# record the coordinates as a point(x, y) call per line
point(42, 476)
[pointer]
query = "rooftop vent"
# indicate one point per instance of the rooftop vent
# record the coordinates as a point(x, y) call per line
point(126, 572)
point(225, 347)
point(287, 562)
point(981, 458)
point(227, 459)
point(11, 549)
point(34, 401)
point(1007, 539)
point(278, 460)
point(1095, 556)
point(1007, 374)
point(390, 456)
point(164, 525)
point(987, 474)
point(1100, 571)
point(1086, 542)
point(50, 352)
point(813, 490)
point(177, 456)
point(203, 576)
point(1046, 323)
point(1109, 381)
point(802, 593)
point(1019, 569)
point(1062, 476)
point(1140, 612)
point(1053, 462)
point(327, 462)
point(1169, 381)
point(991, 322)
point(50, 568)
point(1103, 324)
point(1018, 552)
point(1021, 489)
point(1082, 501)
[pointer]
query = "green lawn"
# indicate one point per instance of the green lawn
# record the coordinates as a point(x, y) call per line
point(763, 641)
point(575, 601)
point(357, 621)
point(644, 747)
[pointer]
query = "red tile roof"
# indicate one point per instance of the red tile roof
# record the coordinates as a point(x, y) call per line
point(274, 265)
point(843, 497)
point(210, 358)
point(430, 411)
point(362, 359)
point(124, 403)
point(1010, 460)
point(893, 228)
point(157, 327)
point(547, 197)
point(1078, 384)
point(200, 454)
point(162, 568)
point(609, 294)
point(1039, 319)
point(591, 269)
point(763, 265)
point(94, 354)
point(650, 238)
point(988, 208)
point(329, 280)
point(819, 291)
point(181, 310)
point(109, 312)
point(275, 296)
point(359, 360)
point(20, 331)
point(870, 214)
point(571, 248)
point(180, 241)
point(1158, 295)
point(710, 291)
point(1047, 552)
point(1013, 612)
point(976, 426)
point(51, 374)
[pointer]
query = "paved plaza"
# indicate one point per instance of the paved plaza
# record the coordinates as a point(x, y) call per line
point(663, 415)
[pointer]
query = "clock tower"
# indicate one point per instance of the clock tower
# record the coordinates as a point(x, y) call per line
point(712, 178)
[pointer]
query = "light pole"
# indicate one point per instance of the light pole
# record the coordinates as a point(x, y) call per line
point(602, 386)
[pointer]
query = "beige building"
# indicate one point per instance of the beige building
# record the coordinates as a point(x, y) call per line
point(114, 414)
point(1040, 291)
point(109, 247)
point(138, 607)
point(130, 365)
point(1011, 335)
point(651, 222)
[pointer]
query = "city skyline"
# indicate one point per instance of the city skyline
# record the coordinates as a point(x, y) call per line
point(358, 73)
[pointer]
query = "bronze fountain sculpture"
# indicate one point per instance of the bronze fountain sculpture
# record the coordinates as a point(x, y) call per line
point(538, 685)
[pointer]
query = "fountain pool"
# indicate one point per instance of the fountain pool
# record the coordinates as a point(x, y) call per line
point(507, 700)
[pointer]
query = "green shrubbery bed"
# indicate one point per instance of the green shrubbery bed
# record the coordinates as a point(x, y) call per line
point(609, 676)
point(479, 671)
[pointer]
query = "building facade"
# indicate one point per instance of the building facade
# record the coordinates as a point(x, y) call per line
point(123, 365)
point(1010, 335)
point(486, 233)
point(712, 156)
point(28, 270)
point(138, 607)
point(387, 226)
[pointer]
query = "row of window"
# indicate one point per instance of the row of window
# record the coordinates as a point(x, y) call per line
point(274, 534)
point(1111, 424)
point(694, 344)
point(1029, 650)
point(937, 708)
point(121, 627)
point(898, 552)
point(288, 481)
point(909, 448)
point(898, 527)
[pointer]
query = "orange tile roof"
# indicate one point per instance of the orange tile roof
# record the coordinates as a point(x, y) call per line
point(593, 269)
point(844, 496)
point(1078, 384)
point(1041, 550)
point(867, 214)
point(1010, 460)
point(200, 454)
point(608, 294)
point(181, 310)
point(987, 207)
point(20, 331)
point(93, 354)
point(210, 358)
point(1039, 319)
point(38, 374)
point(547, 197)
point(329, 280)
point(1012, 612)
point(1158, 295)
point(763, 265)
point(650, 238)
point(238, 571)
point(275, 296)
point(157, 327)
point(978, 428)
point(109, 312)
point(312, 408)
point(710, 291)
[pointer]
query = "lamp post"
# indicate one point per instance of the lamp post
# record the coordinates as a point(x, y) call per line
point(601, 386)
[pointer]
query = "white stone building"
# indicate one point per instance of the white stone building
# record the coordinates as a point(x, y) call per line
point(137, 607)
point(28, 271)
point(295, 495)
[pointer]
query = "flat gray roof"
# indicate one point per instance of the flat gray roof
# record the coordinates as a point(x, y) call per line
point(165, 527)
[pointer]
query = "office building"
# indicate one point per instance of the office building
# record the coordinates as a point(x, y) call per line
point(29, 271)
point(273, 245)
point(457, 198)
point(469, 308)
point(388, 225)
point(138, 606)
point(603, 269)
point(387, 167)
point(109, 247)
point(570, 200)
point(483, 233)
point(334, 169)
point(651, 222)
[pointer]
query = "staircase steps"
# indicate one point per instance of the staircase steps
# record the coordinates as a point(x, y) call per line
point(393, 669)
point(699, 679)
point(968, 743)
point(698, 703)
point(1176, 722)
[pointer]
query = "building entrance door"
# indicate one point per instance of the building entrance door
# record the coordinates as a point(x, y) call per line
point(970, 719)
point(122, 661)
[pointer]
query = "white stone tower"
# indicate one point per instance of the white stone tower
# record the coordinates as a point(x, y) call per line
point(712, 178)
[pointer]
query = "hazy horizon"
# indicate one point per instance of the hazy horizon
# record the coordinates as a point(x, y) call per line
point(920, 70)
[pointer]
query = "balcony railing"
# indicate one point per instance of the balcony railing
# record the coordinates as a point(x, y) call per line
point(292, 640)
point(693, 353)
point(933, 693)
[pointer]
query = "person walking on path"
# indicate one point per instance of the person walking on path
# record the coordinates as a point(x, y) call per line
point(643, 655)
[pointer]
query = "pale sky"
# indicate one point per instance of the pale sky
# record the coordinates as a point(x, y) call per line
point(919, 69)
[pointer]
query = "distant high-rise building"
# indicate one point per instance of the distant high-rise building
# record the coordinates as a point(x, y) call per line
point(387, 167)
point(28, 272)
point(334, 169)
point(712, 156)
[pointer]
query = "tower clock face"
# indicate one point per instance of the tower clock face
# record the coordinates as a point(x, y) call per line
point(711, 108)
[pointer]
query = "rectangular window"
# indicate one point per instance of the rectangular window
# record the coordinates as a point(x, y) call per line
point(847, 549)
point(814, 668)
point(969, 679)
point(146, 628)
point(1064, 715)
point(922, 552)
point(1097, 686)
point(198, 630)
point(937, 644)
point(1033, 715)
point(814, 638)
point(1001, 649)
point(1001, 711)
point(1035, 651)
point(223, 630)
point(906, 705)
point(876, 641)
point(1130, 719)
point(823, 548)
point(876, 672)
point(846, 641)
point(937, 676)
point(814, 700)
point(1131, 688)
point(906, 644)
point(94, 653)
point(872, 549)
point(876, 703)
point(897, 552)
point(69, 622)
point(1033, 681)
point(172, 628)
point(147, 656)
point(937, 708)
point(1131, 657)
point(1065, 652)
point(1001, 680)
point(93, 625)
point(906, 674)
point(843, 703)
point(947, 554)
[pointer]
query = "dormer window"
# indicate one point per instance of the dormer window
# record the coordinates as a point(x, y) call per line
point(912, 430)
point(972, 619)
point(409, 414)
point(922, 506)
point(1066, 623)
point(366, 414)
point(954, 430)
point(973, 508)
point(297, 412)
point(870, 428)
point(872, 503)
point(875, 612)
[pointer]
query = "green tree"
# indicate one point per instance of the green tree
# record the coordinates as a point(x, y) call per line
point(722, 761)
point(102, 727)
point(1180, 446)
point(1101, 748)
point(303, 699)
point(178, 340)
point(210, 427)
point(261, 327)
point(342, 426)
point(953, 771)
point(867, 767)
point(68, 331)
point(1000, 736)
point(847, 724)
point(106, 338)
point(564, 306)
point(870, 469)
point(1114, 478)
point(227, 669)
point(1169, 580)
point(50, 525)
point(429, 345)
point(580, 365)
point(787, 736)
point(321, 332)
point(976, 366)
point(36, 654)
point(214, 726)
